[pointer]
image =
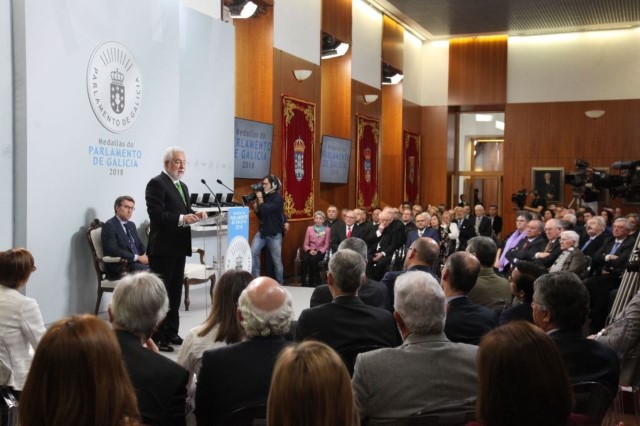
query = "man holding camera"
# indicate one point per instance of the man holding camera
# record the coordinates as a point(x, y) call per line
point(268, 206)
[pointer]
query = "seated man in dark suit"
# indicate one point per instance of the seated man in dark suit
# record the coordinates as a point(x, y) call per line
point(239, 375)
point(547, 256)
point(347, 322)
point(423, 230)
point(389, 237)
point(372, 292)
point(139, 303)
point(594, 236)
point(421, 256)
point(560, 308)
point(608, 265)
point(343, 230)
point(120, 239)
point(533, 243)
point(466, 322)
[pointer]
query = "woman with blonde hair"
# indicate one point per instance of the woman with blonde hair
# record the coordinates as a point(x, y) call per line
point(78, 378)
point(310, 386)
point(21, 325)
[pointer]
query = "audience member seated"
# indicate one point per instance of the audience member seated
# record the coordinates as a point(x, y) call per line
point(571, 259)
point(421, 256)
point(344, 230)
point(560, 308)
point(21, 325)
point(523, 381)
point(239, 375)
point(138, 305)
point(363, 229)
point(423, 230)
point(120, 239)
point(427, 370)
point(608, 265)
point(407, 219)
point(219, 329)
point(346, 322)
point(389, 237)
point(547, 256)
point(594, 236)
point(466, 321)
point(490, 290)
point(316, 244)
point(78, 378)
point(502, 264)
point(372, 293)
point(302, 393)
point(529, 246)
point(521, 283)
point(332, 216)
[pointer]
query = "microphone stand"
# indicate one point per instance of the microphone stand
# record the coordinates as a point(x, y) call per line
point(232, 191)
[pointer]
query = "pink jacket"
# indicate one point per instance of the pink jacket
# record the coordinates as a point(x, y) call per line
point(313, 242)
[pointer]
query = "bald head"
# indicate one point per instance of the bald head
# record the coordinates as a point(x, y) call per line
point(265, 308)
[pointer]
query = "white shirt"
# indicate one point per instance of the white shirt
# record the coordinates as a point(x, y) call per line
point(21, 327)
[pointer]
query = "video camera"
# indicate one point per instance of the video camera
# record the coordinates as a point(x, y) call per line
point(520, 198)
point(625, 185)
point(258, 187)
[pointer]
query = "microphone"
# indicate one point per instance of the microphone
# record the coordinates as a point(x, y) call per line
point(214, 195)
point(232, 191)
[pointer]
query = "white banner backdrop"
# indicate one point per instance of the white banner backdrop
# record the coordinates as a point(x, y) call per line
point(98, 100)
point(6, 127)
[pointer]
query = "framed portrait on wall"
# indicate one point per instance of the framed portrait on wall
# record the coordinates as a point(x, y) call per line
point(549, 181)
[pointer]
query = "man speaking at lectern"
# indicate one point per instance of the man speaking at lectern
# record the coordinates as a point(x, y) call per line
point(170, 237)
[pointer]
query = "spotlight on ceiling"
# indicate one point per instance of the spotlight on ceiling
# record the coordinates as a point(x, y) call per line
point(242, 9)
point(332, 47)
point(391, 75)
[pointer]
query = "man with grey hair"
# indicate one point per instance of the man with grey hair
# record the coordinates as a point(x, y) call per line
point(594, 237)
point(529, 246)
point(551, 251)
point(346, 322)
point(138, 305)
point(427, 370)
point(170, 213)
point(389, 236)
point(491, 290)
point(372, 292)
point(239, 375)
point(422, 230)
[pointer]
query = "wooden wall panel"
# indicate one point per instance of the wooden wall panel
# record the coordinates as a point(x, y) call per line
point(336, 19)
point(392, 43)
point(390, 187)
point(556, 134)
point(478, 71)
point(434, 155)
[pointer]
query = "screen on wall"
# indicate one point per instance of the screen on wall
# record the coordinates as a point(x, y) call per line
point(334, 160)
point(253, 141)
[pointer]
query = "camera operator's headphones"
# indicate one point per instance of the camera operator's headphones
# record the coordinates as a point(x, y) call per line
point(275, 183)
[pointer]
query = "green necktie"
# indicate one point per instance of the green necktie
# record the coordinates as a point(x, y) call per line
point(181, 191)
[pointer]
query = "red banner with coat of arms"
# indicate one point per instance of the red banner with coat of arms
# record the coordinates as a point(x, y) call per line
point(368, 134)
point(411, 167)
point(298, 136)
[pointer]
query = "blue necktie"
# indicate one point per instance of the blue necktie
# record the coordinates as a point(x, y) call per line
point(132, 242)
point(615, 247)
point(586, 244)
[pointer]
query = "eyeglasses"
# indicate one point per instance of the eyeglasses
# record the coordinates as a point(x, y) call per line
point(180, 162)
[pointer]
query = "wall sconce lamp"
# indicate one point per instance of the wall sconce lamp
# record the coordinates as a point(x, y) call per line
point(594, 113)
point(301, 75)
point(242, 9)
point(370, 98)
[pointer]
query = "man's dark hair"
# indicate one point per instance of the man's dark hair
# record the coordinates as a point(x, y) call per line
point(564, 296)
point(524, 214)
point(463, 269)
point(122, 199)
point(484, 248)
point(529, 268)
point(426, 251)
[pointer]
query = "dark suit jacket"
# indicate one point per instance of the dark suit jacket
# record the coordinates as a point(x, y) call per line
point(554, 251)
point(347, 322)
point(392, 238)
point(497, 224)
point(594, 246)
point(428, 232)
point(365, 231)
point(235, 376)
point(338, 234)
point(373, 293)
point(164, 206)
point(115, 242)
point(389, 279)
point(467, 322)
point(485, 229)
point(467, 231)
point(160, 384)
point(614, 267)
point(522, 312)
point(521, 253)
point(588, 360)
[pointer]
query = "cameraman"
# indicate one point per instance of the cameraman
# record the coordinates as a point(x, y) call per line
point(591, 193)
point(268, 206)
point(538, 203)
